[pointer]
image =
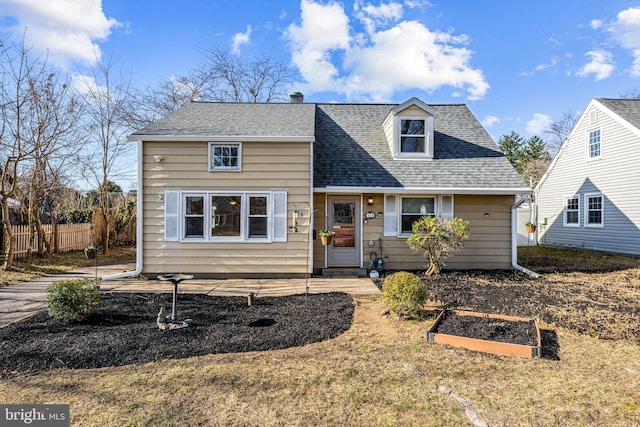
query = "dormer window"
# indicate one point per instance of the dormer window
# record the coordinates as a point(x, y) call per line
point(412, 136)
point(409, 130)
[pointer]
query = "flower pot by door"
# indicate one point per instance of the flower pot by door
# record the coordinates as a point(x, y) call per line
point(326, 240)
point(531, 228)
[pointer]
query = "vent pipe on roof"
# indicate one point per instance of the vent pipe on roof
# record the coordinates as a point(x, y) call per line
point(296, 98)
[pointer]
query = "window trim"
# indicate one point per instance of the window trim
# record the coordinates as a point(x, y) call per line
point(565, 210)
point(428, 138)
point(244, 220)
point(436, 210)
point(182, 215)
point(589, 156)
point(213, 145)
point(208, 236)
point(587, 210)
point(269, 216)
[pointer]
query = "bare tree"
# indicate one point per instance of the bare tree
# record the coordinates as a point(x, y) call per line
point(229, 78)
point(20, 72)
point(52, 132)
point(560, 130)
point(152, 103)
point(106, 96)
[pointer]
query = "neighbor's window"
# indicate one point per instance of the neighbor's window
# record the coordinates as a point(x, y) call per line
point(594, 144)
point(194, 217)
point(226, 215)
point(258, 216)
point(412, 136)
point(225, 157)
point(414, 208)
point(595, 210)
point(572, 211)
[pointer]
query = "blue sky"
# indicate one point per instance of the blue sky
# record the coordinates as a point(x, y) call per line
point(518, 65)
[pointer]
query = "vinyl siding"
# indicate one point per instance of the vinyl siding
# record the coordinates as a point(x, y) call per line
point(265, 166)
point(615, 175)
point(488, 247)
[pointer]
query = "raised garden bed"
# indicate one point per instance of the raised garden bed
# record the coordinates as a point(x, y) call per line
point(488, 333)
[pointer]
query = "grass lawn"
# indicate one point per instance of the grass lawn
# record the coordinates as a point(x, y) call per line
point(382, 372)
point(36, 266)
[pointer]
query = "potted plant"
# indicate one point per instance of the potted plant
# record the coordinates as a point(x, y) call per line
point(531, 227)
point(90, 252)
point(326, 236)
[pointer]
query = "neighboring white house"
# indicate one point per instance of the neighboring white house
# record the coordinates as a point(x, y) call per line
point(590, 196)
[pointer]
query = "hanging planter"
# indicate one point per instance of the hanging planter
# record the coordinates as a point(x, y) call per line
point(531, 227)
point(326, 236)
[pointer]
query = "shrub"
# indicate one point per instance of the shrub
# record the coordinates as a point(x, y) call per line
point(69, 300)
point(438, 239)
point(404, 294)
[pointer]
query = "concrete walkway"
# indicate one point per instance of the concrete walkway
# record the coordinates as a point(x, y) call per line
point(27, 298)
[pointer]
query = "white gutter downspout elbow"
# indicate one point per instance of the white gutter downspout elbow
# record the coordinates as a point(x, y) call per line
point(514, 239)
point(139, 197)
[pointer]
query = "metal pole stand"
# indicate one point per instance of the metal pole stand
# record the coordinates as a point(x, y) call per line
point(174, 323)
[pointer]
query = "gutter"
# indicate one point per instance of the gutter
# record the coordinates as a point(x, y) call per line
point(139, 230)
point(514, 239)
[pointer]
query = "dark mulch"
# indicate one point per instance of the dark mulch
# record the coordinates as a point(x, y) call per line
point(122, 330)
point(484, 328)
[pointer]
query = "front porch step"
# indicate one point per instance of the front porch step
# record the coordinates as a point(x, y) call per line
point(345, 272)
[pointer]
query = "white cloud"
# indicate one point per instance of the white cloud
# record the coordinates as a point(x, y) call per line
point(600, 65)
point(240, 39)
point(360, 65)
point(538, 124)
point(551, 63)
point(324, 29)
point(67, 29)
point(625, 30)
point(489, 121)
point(373, 17)
point(595, 23)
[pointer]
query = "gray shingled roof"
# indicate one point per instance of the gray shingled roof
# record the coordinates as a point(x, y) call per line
point(351, 150)
point(628, 109)
point(208, 119)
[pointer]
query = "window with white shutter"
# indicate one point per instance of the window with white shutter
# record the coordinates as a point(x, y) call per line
point(279, 216)
point(390, 215)
point(171, 217)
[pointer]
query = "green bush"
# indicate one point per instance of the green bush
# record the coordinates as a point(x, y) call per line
point(404, 294)
point(69, 300)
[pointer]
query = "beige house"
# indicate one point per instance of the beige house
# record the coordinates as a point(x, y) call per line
point(242, 189)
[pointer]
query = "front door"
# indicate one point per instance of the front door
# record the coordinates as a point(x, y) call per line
point(344, 219)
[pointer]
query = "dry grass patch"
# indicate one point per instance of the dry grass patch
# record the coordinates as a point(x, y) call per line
point(36, 266)
point(359, 378)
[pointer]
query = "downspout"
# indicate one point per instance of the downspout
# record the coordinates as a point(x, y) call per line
point(139, 230)
point(514, 239)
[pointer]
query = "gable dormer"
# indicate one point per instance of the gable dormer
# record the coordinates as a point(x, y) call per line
point(409, 130)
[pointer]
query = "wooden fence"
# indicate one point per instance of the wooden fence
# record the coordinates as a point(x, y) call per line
point(65, 238)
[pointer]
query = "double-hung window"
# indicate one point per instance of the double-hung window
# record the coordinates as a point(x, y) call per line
point(414, 208)
point(413, 138)
point(193, 216)
point(572, 211)
point(595, 149)
point(594, 210)
point(225, 157)
point(258, 217)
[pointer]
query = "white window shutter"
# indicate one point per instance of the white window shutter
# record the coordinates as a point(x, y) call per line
point(171, 219)
point(390, 215)
point(279, 216)
point(446, 207)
